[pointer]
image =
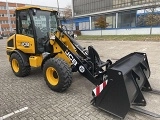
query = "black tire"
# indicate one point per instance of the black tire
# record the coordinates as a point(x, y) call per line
point(62, 73)
point(22, 69)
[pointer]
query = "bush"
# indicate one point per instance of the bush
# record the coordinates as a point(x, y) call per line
point(77, 32)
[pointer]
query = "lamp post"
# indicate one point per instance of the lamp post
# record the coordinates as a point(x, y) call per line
point(58, 5)
point(9, 18)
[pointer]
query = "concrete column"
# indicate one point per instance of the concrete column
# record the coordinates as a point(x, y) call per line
point(116, 20)
point(90, 23)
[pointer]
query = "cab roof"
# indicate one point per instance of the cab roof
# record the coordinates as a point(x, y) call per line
point(36, 7)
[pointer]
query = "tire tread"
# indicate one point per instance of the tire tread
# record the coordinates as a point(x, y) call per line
point(24, 70)
point(65, 73)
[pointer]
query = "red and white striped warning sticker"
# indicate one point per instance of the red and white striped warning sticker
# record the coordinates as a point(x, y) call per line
point(99, 88)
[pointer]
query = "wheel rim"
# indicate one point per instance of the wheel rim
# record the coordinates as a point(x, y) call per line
point(15, 65)
point(52, 76)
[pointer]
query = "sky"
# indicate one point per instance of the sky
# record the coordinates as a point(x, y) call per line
point(51, 3)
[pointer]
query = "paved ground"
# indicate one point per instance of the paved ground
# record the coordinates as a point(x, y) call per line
point(29, 98)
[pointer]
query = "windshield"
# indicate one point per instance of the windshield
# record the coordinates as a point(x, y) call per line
point(45, 23)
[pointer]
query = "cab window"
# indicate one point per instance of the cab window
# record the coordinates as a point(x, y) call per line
point(24, 23)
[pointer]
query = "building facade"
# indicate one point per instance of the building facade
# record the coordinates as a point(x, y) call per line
point(82, 7)
point(121, 15)
point(7, 19)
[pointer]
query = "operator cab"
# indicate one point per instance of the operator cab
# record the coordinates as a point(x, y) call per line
point(39, 24)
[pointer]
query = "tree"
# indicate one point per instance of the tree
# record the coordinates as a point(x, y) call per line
point(68, 16)
point(101, 23)
point(152, 18)
point(67, 12)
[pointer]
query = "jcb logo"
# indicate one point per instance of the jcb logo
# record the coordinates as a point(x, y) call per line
point(71, 57)
point(25, 44)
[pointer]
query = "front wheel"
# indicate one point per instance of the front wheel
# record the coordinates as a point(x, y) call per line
point(18, 66)
point(57, 74)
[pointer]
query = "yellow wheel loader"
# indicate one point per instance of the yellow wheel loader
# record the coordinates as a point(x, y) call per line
point(40, 42)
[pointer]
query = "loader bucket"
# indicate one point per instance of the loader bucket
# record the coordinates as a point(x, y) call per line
point(126, 79)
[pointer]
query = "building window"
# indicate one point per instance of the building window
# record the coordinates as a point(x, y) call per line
point(84, 26)
point(12, 22)
point(3, 15)
point(145, 16)
point(110, 19)
point(2, 7)
point(4, 22)
point(127, 19)
point(12, 8)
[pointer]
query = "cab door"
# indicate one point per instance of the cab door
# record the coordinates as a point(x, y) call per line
point(25, 37)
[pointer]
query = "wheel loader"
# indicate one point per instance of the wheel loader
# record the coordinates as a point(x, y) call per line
point(40, 41)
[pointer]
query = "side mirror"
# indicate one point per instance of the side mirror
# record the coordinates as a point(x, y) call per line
point(58, 14)
point(53, 13)
point(34, 12)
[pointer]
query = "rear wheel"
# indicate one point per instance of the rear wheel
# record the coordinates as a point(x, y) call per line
point(57, 74)
point(18, 66)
